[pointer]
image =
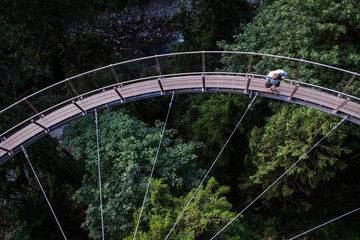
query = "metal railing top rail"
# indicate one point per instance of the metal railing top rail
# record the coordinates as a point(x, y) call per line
point(168, 55)
point(288, 58)
point(323, 88)
point(37, 115)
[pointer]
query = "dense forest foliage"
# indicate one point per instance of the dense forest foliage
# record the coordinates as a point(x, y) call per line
point(43, 42)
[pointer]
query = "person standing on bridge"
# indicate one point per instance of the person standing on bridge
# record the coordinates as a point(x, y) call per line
point(273, 80)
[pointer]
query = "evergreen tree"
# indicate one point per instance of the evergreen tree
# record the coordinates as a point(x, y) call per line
point(321, 31)
point(43, 42)
point(127, 152)
point(286, 137)
point(204, 217)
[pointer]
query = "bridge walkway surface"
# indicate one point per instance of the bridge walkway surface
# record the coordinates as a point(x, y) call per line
point(192, 83)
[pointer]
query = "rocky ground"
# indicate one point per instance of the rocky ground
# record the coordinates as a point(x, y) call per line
point(141, 30)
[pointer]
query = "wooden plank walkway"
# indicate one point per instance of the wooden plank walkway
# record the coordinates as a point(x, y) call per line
point(181, 84)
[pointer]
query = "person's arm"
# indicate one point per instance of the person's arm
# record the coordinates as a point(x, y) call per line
point(282, 74)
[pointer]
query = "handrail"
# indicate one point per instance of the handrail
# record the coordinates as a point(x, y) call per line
point(114, 94)
point(37, 115)
point(288, 58)
point(324, 88)
point(155, 60)
point(168, 55)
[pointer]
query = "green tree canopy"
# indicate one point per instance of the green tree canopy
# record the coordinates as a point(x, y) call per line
point(322, 31)
point(127, 151)
point(286, 137)
point(43, 42)
point(205, 216)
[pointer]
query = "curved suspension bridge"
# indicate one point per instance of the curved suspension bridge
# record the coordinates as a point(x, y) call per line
point(77, 96)
point(115, 84)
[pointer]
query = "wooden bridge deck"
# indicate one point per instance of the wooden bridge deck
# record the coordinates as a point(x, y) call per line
point(180, 84)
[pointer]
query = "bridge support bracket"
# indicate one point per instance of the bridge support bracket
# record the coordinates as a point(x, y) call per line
point(78, 106)
point(293, 92)
point(161, 87)
point(7, 150)
point(341, 105)
point(203, 83)
point(118, 93)
point(247, 84)
point(40, 125)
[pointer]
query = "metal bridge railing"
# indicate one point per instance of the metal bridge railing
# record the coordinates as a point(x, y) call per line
point(163, 66)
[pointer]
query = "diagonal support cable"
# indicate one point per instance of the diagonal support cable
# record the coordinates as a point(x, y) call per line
point(98, 156)
point(237, 125)
point(333, 220)
point(37, 179)
point(335, 127)
point(153, 167)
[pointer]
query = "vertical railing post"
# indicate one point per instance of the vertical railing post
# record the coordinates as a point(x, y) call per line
point(249, 66)
point(72, 87)
point(248, 74)
point(297, 70)
point(158, 68)
point(347, 85)
point(114, 73)
point(33, 120)
point(203, 71)
point(31, 106)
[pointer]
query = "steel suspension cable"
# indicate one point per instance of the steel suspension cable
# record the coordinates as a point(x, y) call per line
point(237, 125)
point(153, 167)
point(98, 156)
point(37, 179)
point(325, 223)
point(335, 127)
